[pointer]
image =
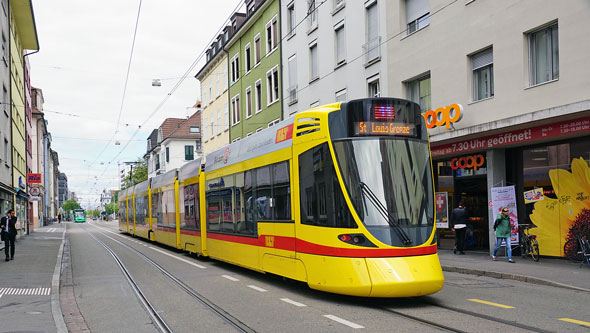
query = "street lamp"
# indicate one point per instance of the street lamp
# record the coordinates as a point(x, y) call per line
point(131, 172)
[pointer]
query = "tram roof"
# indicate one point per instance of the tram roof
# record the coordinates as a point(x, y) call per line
point(164, 179)
point(141, 187)
point(261, 143)
point(190, 169)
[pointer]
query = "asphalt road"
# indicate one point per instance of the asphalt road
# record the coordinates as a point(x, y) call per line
point(267, 303)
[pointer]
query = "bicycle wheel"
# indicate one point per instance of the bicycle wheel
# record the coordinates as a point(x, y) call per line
point(571, 250)
point(534, 249)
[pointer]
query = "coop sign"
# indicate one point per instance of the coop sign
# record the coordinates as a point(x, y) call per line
point(446, 116)
point(468, 162)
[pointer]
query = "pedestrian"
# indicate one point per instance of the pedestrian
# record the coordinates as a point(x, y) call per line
point(58, 217)
point(8, 226)
point(502, 228)
point(458, 224)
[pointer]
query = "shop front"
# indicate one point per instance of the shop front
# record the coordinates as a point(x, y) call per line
point(548, 167)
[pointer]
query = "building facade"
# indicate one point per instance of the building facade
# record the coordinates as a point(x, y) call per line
point(63, 192)
point(522, 79)
point(178, 142)
point(331, 52)
point(254, 70)
point(214, 84)
point(41, 140)
point(23, 36)
point(6, 190)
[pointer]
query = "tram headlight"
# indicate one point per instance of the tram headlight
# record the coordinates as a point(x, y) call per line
point(345, 238)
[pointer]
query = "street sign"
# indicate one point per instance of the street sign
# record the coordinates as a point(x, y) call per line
point(35, 191)
point(34, 178)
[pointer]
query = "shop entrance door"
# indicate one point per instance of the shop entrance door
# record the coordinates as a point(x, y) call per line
point(473, 191)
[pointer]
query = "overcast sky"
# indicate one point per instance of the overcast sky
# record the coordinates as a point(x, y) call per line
point(82, 65)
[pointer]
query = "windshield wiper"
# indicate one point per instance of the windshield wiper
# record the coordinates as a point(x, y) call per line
point(366, 190)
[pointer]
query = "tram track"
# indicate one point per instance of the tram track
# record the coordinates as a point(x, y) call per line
point(218, 311)
point(462, 312)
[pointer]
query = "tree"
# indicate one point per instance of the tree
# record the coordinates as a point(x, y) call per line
point(70, 205)
point(140, 173)
point(111, 208)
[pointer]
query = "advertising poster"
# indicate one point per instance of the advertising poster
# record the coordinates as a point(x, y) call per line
point(533, 195)
point(442, 210)
point(559, 220)
point(506, 197)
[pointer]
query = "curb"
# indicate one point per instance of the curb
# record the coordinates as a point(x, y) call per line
point(509, 276)
point(58, 317)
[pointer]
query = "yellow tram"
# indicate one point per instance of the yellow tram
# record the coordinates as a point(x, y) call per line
point(340, 197)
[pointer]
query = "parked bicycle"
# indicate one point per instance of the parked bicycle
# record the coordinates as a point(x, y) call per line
point(578, 249)
point(528, 242)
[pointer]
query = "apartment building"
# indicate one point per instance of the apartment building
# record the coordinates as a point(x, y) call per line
point(331, 51)
point(215, 103)
point(6, 189)
point(254, 69)
point(519, 69)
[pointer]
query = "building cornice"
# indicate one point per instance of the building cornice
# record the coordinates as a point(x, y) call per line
point(250, 21)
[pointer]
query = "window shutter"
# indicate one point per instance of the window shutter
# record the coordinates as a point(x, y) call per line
point(415, 9)
point(482, 59)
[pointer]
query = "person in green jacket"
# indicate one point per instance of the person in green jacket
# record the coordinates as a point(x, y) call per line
point(502, 228)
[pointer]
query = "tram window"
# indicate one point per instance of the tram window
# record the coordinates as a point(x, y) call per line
point(227, 224)
point(262, 205)
point(281, 192)
point(140, 210)
point(250, 223)
point(157, 207)
point(190, 196)
point(213, 212)
point(322, 200)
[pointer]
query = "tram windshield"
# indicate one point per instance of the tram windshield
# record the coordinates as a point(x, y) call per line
point(389, 182)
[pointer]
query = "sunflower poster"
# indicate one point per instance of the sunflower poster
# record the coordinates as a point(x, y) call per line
point(561, 219)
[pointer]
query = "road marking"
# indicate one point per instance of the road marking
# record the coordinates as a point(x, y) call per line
point(579, 322)
point(491, 303)
point(257, 288)
point(181, 259)
point(343, 321)
point(290, 301)
point(230, 278)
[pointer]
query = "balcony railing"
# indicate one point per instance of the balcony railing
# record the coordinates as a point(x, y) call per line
point(372, 50)
point(292, 93)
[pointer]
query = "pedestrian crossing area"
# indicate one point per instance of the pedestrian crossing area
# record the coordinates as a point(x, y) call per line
point(25, 291)
point(52, 230)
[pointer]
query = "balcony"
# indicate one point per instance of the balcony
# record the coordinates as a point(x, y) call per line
point(292, 93)
point(372, 51)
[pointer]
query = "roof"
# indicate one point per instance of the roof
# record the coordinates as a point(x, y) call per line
point(152, 140)
point(183, 130)
point(170, 125)
point(25, 23)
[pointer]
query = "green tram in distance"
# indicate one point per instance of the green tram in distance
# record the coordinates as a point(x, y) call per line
point(79, 215)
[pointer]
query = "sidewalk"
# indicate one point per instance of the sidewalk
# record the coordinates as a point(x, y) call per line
point(548, 271)
point(27, 295)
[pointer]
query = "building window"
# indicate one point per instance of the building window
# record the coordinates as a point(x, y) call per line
point(340, 46)
point(482, 65)
point(419, 92)
point(225, 117)
point(274, 122)
point(314, 104)
point(291, 23)
point(224, 78)
point(259, 129)
point(199, 146)
point(248, 102)
point(210, 91)
point(217, 90)
point(337, 5)
point(218, 121)
point(247, 57)
point(257, 49)
point(189, 153)
point(272, 35)
point(417, 15)
point(292, 90)
point(312, 15)
point(544, 55)
point(313, 62)
point(372, 48)
point(4, 50)
point(341, 95)
point(167, 154)
point(373, 88)
point(212, 127)
point(235, 109)
point(258, 95)
point(235, 68)
point(205, 130)
point(272, 88)
point(195, 129)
